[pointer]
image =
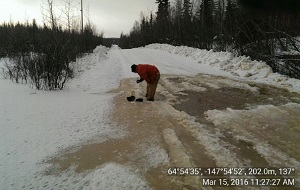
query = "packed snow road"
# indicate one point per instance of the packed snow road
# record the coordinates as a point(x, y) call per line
point(167, 63)
point(203, 116)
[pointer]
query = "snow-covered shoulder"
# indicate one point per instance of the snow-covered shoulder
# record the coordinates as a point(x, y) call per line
point(240, 66)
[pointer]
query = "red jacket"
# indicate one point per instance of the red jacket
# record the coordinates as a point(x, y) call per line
point(147, 72)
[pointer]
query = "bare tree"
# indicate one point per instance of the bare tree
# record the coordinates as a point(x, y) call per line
point(68, 10)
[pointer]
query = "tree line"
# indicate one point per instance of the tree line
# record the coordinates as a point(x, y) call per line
point(245, 27)
point(41, 55)
point(23, 38)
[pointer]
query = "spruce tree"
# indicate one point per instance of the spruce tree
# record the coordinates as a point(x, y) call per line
point(163, 20)
point(186, 22)
point(206, 18)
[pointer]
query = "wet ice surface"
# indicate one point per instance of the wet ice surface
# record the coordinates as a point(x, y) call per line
point(259, 124)
point(262, 112)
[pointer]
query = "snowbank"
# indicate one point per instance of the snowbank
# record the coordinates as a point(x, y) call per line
point(242, 66)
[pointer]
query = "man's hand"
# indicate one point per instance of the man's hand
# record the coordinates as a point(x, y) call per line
point(140, 80)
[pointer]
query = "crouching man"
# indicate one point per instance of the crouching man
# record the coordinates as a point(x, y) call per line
point(151, 75)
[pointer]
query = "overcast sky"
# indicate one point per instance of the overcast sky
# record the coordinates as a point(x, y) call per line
point(110, 16)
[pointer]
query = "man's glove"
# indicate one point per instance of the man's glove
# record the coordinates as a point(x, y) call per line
point(138, 81)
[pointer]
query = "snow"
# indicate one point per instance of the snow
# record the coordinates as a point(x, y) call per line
point(212, 142)
point(242, 67)
point(37, 125)
point(240, 120)
point(119, 177)
point(108, 176)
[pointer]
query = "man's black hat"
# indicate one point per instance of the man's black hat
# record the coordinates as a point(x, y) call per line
point(133, 68)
